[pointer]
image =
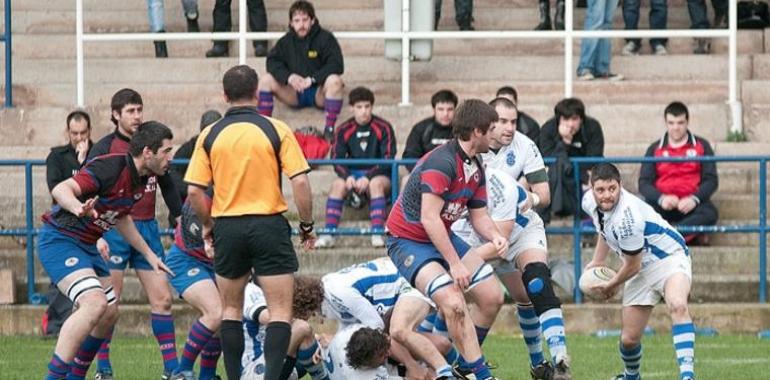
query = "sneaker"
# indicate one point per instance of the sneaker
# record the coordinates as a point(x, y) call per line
point(104, 374)
point(586, 76)
point(702, 46)
point(218, 50)
point(166, 375)
point(260, 49)
point(659, 50)
point(184, 375)
point(612, 77)
point(542, 371)
point(378, 241)
point(630, 48)
point(324, 241)
point(561, 370)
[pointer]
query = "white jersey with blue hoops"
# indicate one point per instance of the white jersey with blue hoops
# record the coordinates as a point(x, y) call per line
point(518, 159)
point(362, 293)
point(633, 225)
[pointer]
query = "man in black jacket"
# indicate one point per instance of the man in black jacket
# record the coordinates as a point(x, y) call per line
point(64, 161)
point(434, 130)
point(570, 133)
point(304, 68)
point(524, 123)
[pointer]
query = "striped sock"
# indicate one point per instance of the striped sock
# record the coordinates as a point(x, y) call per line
point(452, 355)
point(317, 371)
point(684, 344)
point(445, 371)
point(332, 107)
point(333, 212)
point(57, 368)
point(479, 368)
point(103, 357)
point(426, 326)
point(377, 212)
point(481, 334)
point(439, 326)
point(265, 103)
point(197, 338)
point(530, 329)
point(84, 357)
point(209, 358)
point(632, 360)
point(163, 329)
point(553, 331)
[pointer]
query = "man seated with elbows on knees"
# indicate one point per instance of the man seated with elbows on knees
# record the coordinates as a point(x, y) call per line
point(656, 265)
point(100, 196)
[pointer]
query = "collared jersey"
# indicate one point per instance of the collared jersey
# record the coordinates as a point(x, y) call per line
point(376, 139)
point(241, 164)
point(188, 234)
point(362, 293)
point(520, 158)
point(115, 179)
point(336, 361)
point(447, 172)
point(633, 225)
point(253, 331)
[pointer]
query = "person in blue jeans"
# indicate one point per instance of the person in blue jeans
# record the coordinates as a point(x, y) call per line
point(156, 14)
point(658, 20)
point(699, 20)
point(595, 53)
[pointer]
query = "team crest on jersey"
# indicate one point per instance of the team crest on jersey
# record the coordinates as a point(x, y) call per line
point(71, 262)
point(193, 272)
point(137, 196)
point(665, 153)
point(409, 260)
point(116, 259)
point(510, 158)
point(691, 153)
point(259, 369)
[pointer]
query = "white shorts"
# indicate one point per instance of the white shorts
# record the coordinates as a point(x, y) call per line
point(647, 287)
point(255, 370)
point(409, 291)
point(532, 237)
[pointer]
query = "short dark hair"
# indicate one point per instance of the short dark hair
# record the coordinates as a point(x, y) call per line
point(308, 296)
point(472, 114)
point(303, 6)
point(150, 134)
point(79, 115)
point(360, 94)
point(605, 172)
point(677, 109)
point(240, 83)
point(365, 346)
point(209, 117)
point(503, 102)
point(443, 96)
point(508, 90)
point(123, 98)
point(570, 107)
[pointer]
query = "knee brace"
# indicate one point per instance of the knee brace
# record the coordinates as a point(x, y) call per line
point(482, 273)
point(112, 298)
point(82, 286)
point(537, 281)
point(439, 282)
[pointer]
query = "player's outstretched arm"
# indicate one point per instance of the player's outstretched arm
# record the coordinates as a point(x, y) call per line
point(66, 195)
point(126, 227)
point(303, 198)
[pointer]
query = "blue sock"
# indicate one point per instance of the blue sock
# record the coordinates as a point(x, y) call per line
point(84, 357)
point(445, 371)
point(333, 212)
point(377, 213)
point(197, 339)
point(57, 368)
point(481, 334)
point(552, 323)
point(479, 368)
point(439, 326)
point(452, 356)
point(632, 360)
point(103, 357)
point(317, 371)
point(530, 329)
point(163, 329)
point(684, 344)
point(209, 357)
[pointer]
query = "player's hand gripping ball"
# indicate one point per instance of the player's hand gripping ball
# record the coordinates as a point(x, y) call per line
point(592, 277)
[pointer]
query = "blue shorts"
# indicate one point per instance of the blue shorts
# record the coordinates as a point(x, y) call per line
point(358, 174)
point(123, 254)
point(307, 98)
point(187, 269)
point(410, 256)
point(61, 255)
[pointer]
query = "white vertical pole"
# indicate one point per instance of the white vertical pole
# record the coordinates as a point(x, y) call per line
point(568, 27)
point(405, 52)
point(736, 112)
point(242, 32)
point(79, 51)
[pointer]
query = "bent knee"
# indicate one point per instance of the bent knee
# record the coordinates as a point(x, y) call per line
point(678, 308)
point(267, 83)
point(334, 82)
point(630, 340)
point(301, 328)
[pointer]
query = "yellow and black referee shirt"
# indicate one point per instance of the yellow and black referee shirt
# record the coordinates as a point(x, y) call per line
point(236, 154)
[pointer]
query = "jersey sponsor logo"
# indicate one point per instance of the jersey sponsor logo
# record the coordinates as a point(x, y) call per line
point(71, 262)
point(312, 54)
point(194, 228)
point(510, 158)
point(116, 259)
point(453, 211)
point(437, 141)
point(627, 224)
point(409, 260)
point(193, 272)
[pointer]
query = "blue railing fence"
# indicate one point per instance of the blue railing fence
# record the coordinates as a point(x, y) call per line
point(576, 230)
point(6, 39)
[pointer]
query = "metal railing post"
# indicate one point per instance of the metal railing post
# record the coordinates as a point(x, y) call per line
point(8, 56)
point(242, 32)
point(577, 232)
point(79, 52)
point(736, 109)
point(29, 209)
point(763, 231)
point(394, 183)
point(405, 52)
point(568, 42)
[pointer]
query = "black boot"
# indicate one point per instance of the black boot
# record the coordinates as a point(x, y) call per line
point(218, 50)
point(558, 17)
point(260, 48)
point(545, 15)
point(160, 49)
point(192, 23)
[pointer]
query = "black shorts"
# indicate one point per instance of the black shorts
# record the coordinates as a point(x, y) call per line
point(261, 242)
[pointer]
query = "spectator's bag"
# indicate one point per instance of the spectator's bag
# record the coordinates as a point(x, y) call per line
point(753, 14)
point(313, 145)
point(59, 309)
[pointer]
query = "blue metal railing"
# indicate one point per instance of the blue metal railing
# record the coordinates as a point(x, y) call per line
point(6, 38)
point(576, 229)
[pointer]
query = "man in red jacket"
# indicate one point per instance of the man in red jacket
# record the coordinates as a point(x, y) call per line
point(681, 192)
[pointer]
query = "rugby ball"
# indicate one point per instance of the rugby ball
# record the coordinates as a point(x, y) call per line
point(595, 276)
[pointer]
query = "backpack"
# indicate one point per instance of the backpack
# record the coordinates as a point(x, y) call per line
point(753, 14)
point(313, 145)
point(58, 310)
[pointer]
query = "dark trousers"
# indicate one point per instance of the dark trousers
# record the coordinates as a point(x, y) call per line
point(257, 16)
point(463, 12)
point(704, 214)
point(698, 14)
point(658, 18)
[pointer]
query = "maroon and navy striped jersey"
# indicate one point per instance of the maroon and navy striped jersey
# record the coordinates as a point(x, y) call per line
point(447, 172)
point(115, 179)
point(188, 235)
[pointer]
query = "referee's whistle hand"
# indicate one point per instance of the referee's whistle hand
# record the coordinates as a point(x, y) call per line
point(308, 241)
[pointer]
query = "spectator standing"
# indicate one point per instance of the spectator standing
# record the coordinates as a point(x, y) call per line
point(596, 53)
point(190, 8)
point(244, 230)
point(362, 136)
point(658, 21)
point(156, 12)
point(570, 133)
point(463, 14)
point(223, 23)
point(525, 124)
point(681, 192)
point(304, 68)
point(544, 6)
point(699, 20)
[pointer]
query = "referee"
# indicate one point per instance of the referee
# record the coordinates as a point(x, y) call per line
point(243, 155)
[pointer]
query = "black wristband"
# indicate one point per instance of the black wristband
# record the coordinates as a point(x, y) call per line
point(306, 227)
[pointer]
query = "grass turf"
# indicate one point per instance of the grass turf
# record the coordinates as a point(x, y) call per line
point(723, 357)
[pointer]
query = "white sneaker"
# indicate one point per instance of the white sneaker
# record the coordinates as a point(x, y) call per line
point(324, 241)
point(659, 50)
point(378, 241)
point(586, 76)
point(630, 48)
